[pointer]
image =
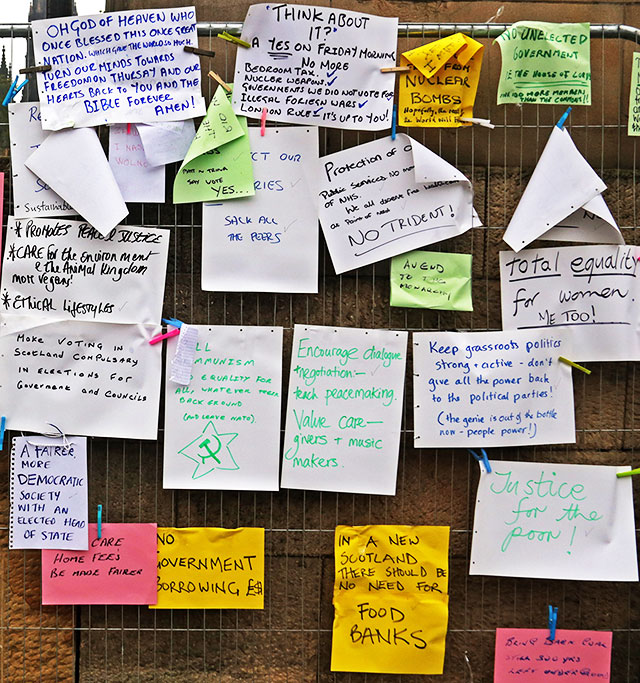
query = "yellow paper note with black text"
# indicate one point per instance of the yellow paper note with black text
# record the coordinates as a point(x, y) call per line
point(210, 568)
point(390, 598)
point(442, 82)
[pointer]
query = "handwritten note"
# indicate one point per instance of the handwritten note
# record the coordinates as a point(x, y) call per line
point(492, 389)
point(268, 242)
point(73, 164)
point(60, 269)
point(223, 430)
point(344, 410)
point(49, 493)
point(562, 200)
point(527, 655)
point(633, 126)
point(593, 290)
point(182, 361)
point(545, 63)
point(387, 197)
point(442, 82)
point(210, 568)
point(118, 67)
point(553, 521)
point(165, 143)
point(316, 66)
point(31, 195)
point(137, 179)
point(87, 378)
point(390, 599)
point(431, 279)
point(218, 163)
point(117, 569)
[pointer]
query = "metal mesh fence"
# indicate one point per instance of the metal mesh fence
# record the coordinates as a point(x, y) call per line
point(290, 640)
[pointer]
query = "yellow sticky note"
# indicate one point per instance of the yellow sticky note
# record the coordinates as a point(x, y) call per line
point(391, 599)
point(442, 83)
point(210, 568)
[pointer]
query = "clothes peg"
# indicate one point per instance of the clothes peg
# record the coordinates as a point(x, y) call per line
point(553, 621)
point(225, 35)
point(99, 521)
point(10, 93)
point(199, 51)
point(263, 121)
point(485, 123)
point(627, 473)
point(563, 118)
point(562, 359)
point(214, 75)
point(43, 68)
point(395, 69)
point(174, 322)
point(394, 121)
point(3, 425)
point(166, 335)
point(484, 459)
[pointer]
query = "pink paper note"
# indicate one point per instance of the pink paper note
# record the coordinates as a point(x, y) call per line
point(118, 569)
point(526, 655)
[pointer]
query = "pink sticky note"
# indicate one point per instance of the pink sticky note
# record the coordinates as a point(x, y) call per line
point(118, 569)
point(527, 655)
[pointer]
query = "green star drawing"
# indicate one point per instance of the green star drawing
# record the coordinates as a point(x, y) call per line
point(210, 450)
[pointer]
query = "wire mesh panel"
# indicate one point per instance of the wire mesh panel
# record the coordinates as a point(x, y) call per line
point(290, 640)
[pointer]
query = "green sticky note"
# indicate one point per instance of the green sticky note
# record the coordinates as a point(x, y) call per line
point(430, 279)
point(545, 63)
point(218, 163)
point(634, 97)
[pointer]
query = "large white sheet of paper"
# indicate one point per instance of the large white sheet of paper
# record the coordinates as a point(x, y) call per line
point(344, 410)
point(59, 269)
point(49, 493)
point(268, 242)
point(223, 430)
point(592, 290)
point(165, 143)
point(562, 200)
point(388, 197)
point(137, 179)
point(86, 378)
point(73, 163)
point(554, 521)
point(316, 66)
point(31, 195)
point(480, 389)
point(118, 67)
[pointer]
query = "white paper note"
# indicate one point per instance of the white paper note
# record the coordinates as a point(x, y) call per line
point(344, 410)
point(562, 201)
point(388, 197)
point(49, 493)
point(554, 521)
point(86, 378)
point(591, 290)
point(137, 179)
point(222, 432)
point(118, 67)
point(481, 389)
point(165, 143)
point(58, 269)
point(31, 195)
point(182, 362)
point(316, 66)
point(268, 242)
point(73, 163)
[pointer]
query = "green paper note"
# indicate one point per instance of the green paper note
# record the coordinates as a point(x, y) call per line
point(545, 63)
point(218, 163)
point(430, 279)
point(634, 97)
